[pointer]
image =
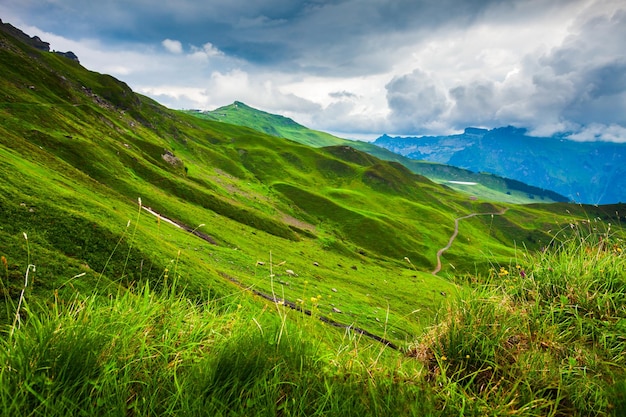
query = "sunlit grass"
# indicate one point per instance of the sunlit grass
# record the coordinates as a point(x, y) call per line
point(541, 336)
point(140, 353)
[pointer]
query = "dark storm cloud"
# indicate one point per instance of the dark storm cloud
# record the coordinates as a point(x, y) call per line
point(587, 73)
point(474, 104)
point(403, 66)
point(307, 34)
point(608, 80)
point(576, 84)
point(415, 101)
point(602, 97)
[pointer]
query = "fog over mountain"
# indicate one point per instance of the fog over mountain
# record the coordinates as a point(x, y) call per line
point(361, 68)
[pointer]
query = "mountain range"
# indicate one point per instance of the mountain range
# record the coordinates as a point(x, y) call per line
point(587, 172)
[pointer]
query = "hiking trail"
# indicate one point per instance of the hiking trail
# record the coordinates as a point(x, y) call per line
point(456, 232)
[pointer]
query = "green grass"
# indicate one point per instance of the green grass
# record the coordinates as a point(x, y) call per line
point(140, 353)
point(544, 336)
point(78, 149)
point(489, 187)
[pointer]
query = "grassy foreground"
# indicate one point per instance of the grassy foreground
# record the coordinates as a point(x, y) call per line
point(544, 335)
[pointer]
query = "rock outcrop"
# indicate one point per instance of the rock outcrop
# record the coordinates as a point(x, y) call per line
point(34, 41)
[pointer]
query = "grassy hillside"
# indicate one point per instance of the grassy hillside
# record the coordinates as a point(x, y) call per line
point(80, 148)
point(241, 114)
point(479, 184)
point(156, 263)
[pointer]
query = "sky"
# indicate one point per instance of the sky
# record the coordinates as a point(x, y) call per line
point(361, 68)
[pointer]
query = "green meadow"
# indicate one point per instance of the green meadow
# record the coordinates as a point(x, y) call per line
point(158, 263)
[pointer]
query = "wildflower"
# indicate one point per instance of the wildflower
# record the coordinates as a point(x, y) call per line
point(503, 272)
point(522, 273)
point(4, 262)
point(443, 358)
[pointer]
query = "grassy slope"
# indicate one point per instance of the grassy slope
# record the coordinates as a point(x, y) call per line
point(489, 187)
point(542, 336)
point(78, 148)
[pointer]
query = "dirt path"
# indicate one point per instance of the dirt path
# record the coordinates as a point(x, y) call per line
point(456, 232)
point(183, 226)
point(324, 319)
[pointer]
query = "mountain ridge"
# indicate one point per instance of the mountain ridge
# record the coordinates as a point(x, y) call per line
point(589, 172)
point(82, 155)
point(497, 188)
point(34, 41)
point(154, 263)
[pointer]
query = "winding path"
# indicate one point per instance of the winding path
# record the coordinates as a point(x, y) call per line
point(456, 232)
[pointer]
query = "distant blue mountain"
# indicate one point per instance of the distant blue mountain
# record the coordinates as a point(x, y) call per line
point(586, 172)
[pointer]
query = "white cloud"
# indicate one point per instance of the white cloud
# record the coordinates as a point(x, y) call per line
point(207, 51)
point(418, 102)
point(596, 131)
point(173, 46)
point(198, 97)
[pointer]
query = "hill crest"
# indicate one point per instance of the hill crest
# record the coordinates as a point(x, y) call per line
point(477, 184)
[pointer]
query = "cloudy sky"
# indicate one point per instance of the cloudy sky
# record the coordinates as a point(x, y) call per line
point(360, 68)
